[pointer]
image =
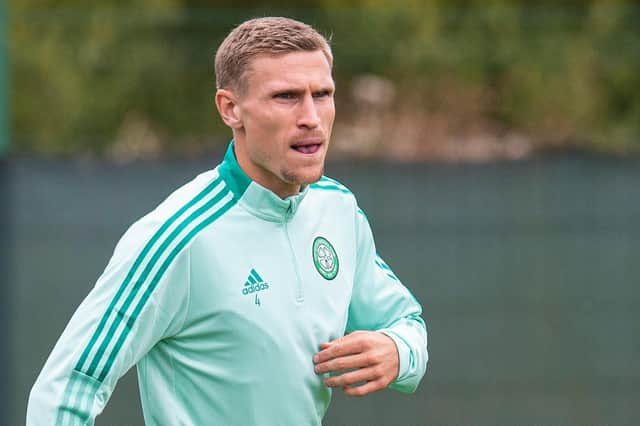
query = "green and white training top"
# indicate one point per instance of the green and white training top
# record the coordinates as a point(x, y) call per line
point(221, 296)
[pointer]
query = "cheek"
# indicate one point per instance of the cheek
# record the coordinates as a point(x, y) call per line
point(329, 113)
point(267, 125)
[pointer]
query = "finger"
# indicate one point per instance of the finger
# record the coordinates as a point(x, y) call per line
point(325, 345)
point(343, 363)
point(350, 344)
point(366, 389)
point(349, 379)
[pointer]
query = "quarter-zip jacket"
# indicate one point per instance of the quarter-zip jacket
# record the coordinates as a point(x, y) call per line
point(221, 296)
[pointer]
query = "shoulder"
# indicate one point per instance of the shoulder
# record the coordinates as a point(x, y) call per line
point(329, 192)
point(331, 188)
point(178, 218)
point(200, 188)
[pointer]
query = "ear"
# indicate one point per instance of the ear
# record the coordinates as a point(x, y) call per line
point(228, 108)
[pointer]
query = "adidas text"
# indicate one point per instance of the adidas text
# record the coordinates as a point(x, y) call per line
point(255, 288)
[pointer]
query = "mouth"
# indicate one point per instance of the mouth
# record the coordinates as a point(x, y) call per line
point(307, 147)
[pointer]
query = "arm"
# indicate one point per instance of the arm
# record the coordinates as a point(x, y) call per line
point(134, 304)
point(387, 344)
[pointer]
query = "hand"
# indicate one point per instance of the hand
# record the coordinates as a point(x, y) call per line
point(372, 357)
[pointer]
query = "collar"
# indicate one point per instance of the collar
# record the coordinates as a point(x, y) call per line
point(255, 198)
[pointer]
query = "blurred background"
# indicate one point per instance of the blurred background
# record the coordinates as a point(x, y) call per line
point(495, 146)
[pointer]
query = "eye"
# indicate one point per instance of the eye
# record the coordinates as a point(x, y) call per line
point(284, 95)
point(322, 94)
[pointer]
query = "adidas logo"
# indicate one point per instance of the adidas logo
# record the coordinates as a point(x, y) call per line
point(254, 283)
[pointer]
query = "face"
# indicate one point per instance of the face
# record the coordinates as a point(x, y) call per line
point(285, 116)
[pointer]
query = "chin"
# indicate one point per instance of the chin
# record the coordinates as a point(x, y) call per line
point(306, 177)
point(311, 180)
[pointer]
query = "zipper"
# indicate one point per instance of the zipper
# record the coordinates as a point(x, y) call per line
point(299, 292)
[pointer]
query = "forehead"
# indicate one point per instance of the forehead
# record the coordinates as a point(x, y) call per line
point(303, 68)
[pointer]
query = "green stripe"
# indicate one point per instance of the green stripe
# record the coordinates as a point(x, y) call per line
point(251, 279)
point(156, 279)
point(333, 181)
point(121, 314)
point(235, 178)
point(363, 214)
point(69, 412)
point(330, 188)
point(134, 268)
point(66, 402)
point(256, 275)
point(383, 265)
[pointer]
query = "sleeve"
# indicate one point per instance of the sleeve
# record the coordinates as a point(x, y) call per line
point(380, 302)
point(140, 298)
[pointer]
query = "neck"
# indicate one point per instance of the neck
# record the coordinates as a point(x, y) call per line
point(261, 175)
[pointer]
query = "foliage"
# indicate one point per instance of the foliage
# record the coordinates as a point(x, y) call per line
point(562, 73)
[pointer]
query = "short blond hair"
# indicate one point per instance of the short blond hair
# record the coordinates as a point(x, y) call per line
point(263, 36)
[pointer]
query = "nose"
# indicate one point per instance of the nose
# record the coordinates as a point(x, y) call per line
point(308, 115)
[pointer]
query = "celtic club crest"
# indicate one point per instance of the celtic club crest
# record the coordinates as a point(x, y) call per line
point(325, 258)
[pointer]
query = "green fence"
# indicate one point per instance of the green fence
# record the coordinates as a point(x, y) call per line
point(527, 273)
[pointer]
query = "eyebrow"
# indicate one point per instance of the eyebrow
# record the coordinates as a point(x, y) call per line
point(297, 90)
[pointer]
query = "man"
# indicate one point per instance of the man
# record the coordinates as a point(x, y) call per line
point(254, 289)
